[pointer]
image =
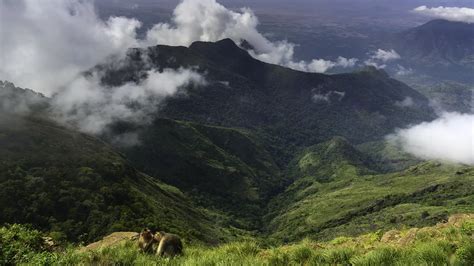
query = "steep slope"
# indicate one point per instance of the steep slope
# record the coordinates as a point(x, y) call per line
point(14, 100)
point(221, 168)
point(357, 199)
point(450, 96)
point(288, 108)
point(79, 187)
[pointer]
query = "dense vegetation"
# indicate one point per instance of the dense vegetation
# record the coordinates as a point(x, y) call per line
point(79, 188)
point(225, 169)
point(337, 193)
point(213, 184)
point(445, 244)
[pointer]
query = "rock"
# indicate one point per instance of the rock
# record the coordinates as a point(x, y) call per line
point(392, 236)
point(48, 243)
point(409, 237)
point(111, 240)
point(458, 219)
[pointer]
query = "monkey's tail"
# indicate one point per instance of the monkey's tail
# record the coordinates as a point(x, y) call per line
point(180, 248)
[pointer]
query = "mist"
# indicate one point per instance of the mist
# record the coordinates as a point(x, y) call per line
point(90, 106)
point(449, 138)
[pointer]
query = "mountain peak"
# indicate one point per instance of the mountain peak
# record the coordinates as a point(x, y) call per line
point(445, 27)
point(333, 156)
point(437, 43)
point(225, 46)
point(372, 70)
point(225, 51)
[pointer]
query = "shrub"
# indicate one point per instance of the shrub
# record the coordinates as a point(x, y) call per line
point(241, 248)
point(465, 253)
point(380, 256)
point(339, 256)
point(301, 254)
point(431, 254)
point(278, 257)
point(18, 242)
point(467, 228)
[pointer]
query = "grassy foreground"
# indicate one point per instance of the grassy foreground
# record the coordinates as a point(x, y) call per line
point(450, 243)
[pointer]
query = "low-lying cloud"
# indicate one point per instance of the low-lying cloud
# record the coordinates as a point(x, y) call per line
point(448, 138)
point(321, 65)
point(88, 105)
point(207, 20)
point(328, 96)
point(380, 57)
point(458, 14)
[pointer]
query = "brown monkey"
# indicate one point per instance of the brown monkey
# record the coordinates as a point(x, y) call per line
point(146, 241)
point(169, 245)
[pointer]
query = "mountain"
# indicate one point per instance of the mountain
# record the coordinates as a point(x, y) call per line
point(440, 41)
point(288, 109)
point(442, 48)
point(260, 150)
point(79, 188)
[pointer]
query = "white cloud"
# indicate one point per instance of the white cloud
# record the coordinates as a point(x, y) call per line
point(407, 102)
point(448, 138)
point(385, 56)
point(89, 106)
point(321, 65)
point(207, 20)
point(459, 14)
point(380, 57)
point(46, 44)
point(327, 97)
point(403, 71)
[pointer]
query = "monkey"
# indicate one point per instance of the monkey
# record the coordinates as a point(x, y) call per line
point(169, 244)
point(146, 241)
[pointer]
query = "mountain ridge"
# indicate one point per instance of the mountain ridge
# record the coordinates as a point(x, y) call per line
point(277, 102)
point(443, 49)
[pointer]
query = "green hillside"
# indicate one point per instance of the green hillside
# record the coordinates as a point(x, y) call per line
point(79, 188)
point(344, 197)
